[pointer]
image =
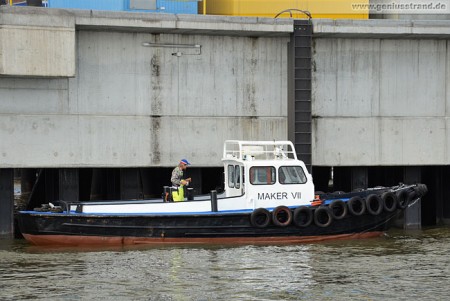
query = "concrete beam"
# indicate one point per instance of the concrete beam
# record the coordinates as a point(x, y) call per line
point(147, 22)
point(185, 24)
point(382, 28)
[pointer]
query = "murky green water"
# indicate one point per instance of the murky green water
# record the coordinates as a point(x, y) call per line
point(399, 266)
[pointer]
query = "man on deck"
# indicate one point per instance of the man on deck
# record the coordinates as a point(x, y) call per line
point(178, 181)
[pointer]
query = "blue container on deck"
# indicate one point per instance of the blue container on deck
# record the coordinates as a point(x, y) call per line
point(161, 6)
point(117, 5)
point(177, 7)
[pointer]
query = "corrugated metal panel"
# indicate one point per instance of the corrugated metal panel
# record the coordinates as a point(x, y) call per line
point(116, 5)
point(165, 6)
point(143, 4)
point(331, 9)
point(178, 6)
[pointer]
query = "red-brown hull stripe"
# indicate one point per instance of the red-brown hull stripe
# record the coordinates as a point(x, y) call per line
point(74, 240)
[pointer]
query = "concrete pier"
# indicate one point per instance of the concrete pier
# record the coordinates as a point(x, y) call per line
point(125, 96)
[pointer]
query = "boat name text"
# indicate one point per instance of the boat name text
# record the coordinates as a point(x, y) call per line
point(278, 195)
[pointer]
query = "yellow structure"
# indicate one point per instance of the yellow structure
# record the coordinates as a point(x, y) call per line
point(319, 9)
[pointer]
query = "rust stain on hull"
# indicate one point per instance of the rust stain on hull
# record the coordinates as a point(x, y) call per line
point(76, 240)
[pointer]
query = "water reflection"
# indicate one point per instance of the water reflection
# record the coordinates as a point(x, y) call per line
point(399, 266)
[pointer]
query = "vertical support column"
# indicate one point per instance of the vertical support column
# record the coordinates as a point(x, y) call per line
point(147, 181)
point(112, 183)
point(27, 180)
point(69, 185)
point(98, 185)
point(130, 184)
point(413, 220)
point(6, 203)
point(439, 196)
point(196, 175)
point(51, 185)
point(84, 183)
point(444, 196)
point(299, 86)
point(359, 177)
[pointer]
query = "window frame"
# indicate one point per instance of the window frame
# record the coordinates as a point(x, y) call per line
point(237, 176)
point(230, 175)
point(273, 172)
point(292, 166)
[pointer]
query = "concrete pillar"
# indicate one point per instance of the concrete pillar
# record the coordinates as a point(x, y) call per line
point(147, 181)
point(360, 177)
point(69, 185)
point(112, 183)
point(27, 180)
point(85, 183)
point(97, 185)
point(51, 185)
point(6, 203)
point(130, 184)
point(442, 190)
point(196, 175)
point(412, 220)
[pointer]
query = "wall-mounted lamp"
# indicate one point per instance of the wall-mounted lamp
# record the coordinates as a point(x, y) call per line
point(197, 47)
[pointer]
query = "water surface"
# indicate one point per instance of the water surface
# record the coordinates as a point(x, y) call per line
point(398, 266)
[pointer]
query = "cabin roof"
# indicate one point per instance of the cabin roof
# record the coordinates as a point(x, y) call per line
point(258, 150)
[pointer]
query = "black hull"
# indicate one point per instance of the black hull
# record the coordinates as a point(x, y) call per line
point(364, 213)
point(70, 229)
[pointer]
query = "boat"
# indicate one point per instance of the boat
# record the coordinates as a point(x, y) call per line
point(268, 198)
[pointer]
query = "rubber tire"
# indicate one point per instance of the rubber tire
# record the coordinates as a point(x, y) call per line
point(319, 214)
point(371, 200)
point(411, 196)
point(356, 201)
point(336, 207)
point(260, 218)
point(402, 199)
point(389, 201)
point(301, 212)
point(281, 216)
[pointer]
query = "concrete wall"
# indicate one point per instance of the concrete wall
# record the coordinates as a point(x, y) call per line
point(380, 89)
point(130, 105)
point(382, 100)
point(37, 46)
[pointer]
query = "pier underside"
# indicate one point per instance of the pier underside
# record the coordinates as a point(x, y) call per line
point(29, 188)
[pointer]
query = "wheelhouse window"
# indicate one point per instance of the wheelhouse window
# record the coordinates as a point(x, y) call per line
point(262, 175)
point(237, 176)
point(231, 176)
point(291, 175)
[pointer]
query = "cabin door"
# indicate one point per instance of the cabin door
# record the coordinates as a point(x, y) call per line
point(235, 177)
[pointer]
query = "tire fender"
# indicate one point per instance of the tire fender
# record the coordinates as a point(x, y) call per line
point(389, 201)
point(374, 204)
point(338, 209)
point(356, 206)
point(303, 216)
point(322, 217)
point(402, 199)
point(260, 218)
point(281, 216)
